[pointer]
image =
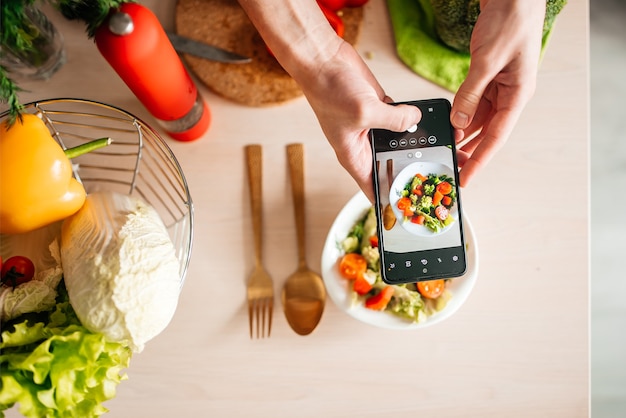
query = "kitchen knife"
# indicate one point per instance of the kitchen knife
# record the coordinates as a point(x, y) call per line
point(202, 50)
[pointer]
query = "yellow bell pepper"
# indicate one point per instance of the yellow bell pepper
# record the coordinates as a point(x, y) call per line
point(36, 183)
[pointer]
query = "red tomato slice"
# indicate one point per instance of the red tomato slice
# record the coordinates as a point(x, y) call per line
point(431, 289)
point(441, 212)
point(352, 265)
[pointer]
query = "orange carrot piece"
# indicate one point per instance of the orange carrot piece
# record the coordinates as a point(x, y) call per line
point(437, 198)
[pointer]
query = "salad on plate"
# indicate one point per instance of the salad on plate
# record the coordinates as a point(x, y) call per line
point(359, 265)
point(428, 200)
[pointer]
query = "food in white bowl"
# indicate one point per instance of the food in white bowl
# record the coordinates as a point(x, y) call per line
point(341, 290)
point(416, 197)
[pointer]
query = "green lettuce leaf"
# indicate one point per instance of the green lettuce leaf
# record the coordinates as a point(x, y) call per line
point(52, 366)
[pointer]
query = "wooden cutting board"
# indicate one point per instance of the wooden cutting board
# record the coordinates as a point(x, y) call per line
point(223, 23)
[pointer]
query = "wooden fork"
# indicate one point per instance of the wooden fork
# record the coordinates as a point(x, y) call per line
point(260, 287)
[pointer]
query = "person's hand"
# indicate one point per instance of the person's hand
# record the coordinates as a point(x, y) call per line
point(341, 89)
point(348, 102)
point(505, 48)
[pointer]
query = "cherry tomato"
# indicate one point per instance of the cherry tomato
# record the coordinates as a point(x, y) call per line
point(444, 187)
point(333, 5)
point(403, 203)
point(17, 270)
point(431, 289)
point(352, 265)
point(374, 241)
point(442, 212)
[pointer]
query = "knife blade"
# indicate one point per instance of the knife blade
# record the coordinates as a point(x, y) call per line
point(202, 50)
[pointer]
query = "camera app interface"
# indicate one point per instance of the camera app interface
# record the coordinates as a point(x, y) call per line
point(421, 218)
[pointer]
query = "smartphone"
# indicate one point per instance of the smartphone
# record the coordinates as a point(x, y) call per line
point(418, 203)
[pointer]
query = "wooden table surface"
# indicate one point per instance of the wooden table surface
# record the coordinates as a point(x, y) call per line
point(519, 347)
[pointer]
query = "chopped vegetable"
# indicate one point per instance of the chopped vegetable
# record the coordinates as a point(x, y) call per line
point(431, 289)
point(352, 265)
point(361, 285)
point(405, 302)
point(379, 301)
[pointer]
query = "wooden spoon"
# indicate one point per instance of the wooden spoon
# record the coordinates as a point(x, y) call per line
point(389, 218)
point(304, 294)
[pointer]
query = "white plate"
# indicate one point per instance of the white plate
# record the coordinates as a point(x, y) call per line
point(401, 180)
point(337, 287)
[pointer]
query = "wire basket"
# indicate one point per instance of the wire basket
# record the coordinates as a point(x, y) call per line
point(137, 163)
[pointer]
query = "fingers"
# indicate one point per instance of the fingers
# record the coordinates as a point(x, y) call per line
point(468, 98)
point(397, 118)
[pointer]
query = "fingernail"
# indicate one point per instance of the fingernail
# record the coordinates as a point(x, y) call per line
point(460, 120)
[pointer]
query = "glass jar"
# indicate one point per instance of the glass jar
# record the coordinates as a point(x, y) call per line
point(42, 55)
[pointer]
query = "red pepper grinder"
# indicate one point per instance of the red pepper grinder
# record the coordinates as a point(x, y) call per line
point(134, 43)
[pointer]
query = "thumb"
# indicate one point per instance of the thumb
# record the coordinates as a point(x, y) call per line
point(467, 99)
point(396, 118)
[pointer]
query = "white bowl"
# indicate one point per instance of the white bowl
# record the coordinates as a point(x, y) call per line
point(337, 287)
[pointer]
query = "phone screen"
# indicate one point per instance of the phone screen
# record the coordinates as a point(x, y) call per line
point(420, 223)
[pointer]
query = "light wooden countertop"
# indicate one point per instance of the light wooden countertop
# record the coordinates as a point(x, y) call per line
point(519, 347)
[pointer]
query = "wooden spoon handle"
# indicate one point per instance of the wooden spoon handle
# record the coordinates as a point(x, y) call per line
point(254, 158)
point(295, 156)
point(390, 173)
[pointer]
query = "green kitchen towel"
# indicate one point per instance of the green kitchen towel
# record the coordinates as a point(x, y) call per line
point(419, 47)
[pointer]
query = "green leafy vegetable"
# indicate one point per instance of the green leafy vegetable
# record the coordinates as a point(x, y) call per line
point(52, 366)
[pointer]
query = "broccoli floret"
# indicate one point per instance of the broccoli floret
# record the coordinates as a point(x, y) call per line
point(455, 20)
point(429, 189)
point(426, 202)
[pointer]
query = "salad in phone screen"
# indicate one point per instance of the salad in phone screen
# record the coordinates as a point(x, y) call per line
point(418, 206)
